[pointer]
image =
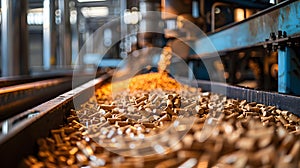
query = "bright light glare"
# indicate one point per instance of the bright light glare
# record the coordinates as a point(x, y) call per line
point(239, 14)
point(73, 16)
point(132, 17)
point(91, 0)
point(95, 11)
point(35, 16)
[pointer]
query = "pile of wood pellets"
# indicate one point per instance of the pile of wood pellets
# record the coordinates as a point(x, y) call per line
point(246, 134)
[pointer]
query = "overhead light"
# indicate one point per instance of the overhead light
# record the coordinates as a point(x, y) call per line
point(73, 17)
point(95, 11)
point(91, 0)
point(35, 16)
point(132, 16)
point(239, 14)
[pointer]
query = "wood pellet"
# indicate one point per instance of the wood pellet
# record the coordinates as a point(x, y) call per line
point(247, 134)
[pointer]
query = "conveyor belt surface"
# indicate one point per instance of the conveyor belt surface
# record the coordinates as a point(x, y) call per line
point(38, 122)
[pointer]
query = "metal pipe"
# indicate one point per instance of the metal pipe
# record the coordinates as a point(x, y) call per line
point(123, 26)
point(64, 42)
point(74, 31)
point(14, 38)
point(81, 27)
point(49, 47)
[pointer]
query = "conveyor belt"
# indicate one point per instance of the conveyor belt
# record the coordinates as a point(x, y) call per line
point(21, 132)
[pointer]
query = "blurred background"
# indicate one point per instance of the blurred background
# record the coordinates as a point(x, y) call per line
point(45, 36)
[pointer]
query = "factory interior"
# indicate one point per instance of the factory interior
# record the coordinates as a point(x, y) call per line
point(150, 83)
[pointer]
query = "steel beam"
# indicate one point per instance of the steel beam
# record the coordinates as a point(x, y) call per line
point(254, 30)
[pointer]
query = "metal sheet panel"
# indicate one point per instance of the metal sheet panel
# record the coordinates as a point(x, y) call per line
point(288, 71)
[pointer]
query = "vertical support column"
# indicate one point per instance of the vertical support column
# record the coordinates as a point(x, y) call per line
point(14, 38)
point(49, 43)
point(74, 31)
point(81, 26)
point(24, 46)
point(64, 38)
point(123, 26)
point(288, 71)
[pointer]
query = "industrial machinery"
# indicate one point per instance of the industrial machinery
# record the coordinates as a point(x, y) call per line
point(247, 53)
point(256, 45)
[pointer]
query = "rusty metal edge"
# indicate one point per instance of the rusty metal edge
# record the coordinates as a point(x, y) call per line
point(14, 147)
point(15, 99)
point(17, 80)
